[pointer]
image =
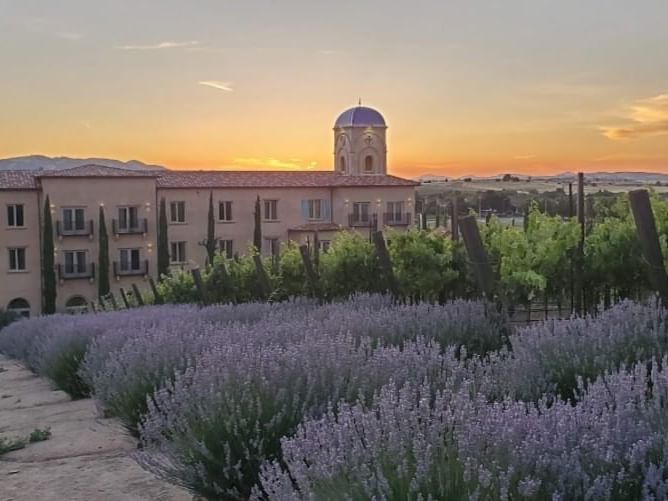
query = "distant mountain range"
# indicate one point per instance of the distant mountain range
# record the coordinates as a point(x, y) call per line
point(603, 177)
point(41, 162)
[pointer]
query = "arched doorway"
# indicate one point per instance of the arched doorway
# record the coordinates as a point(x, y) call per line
point(76, 305)
point(19, 306)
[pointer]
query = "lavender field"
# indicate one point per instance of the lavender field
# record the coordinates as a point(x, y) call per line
point(364, 399)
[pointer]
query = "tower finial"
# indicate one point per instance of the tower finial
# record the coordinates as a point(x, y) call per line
point(360, 102)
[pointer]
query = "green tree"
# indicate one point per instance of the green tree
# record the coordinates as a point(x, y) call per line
point(350, 266)
point(423, 263)
point(48, 262)
point(257, 232)
point(103, 257)
point(163, 242)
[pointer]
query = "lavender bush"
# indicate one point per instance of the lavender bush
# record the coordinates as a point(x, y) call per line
point(611, 445)
point(549, 358)
point(213, 426)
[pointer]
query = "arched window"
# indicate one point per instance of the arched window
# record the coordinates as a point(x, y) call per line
point(20, 306)
point(76, 304)
point(342, 164)
point(368, 163)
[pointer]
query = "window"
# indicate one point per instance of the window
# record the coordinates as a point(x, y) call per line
point(361, 212)
point(20, 306)
point(315, 209)
point(368, 163)
point(178, 252)
point(15, 216)
point(324, 245)
point(130, 260)
point(17, 259)
point(342, 164)
point(225, 211)
point(75, 262)
point(226, 248)
point(272, 246)
point(76, 305)
point(395, 211)
point(271, 210)
point(177, 211)
point(73, 219)
point(128, 218)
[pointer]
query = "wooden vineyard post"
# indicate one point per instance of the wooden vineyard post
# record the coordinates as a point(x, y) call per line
point(262, 277)
point(477, 254)
point(124, 297)
point(571, 277)
point(455, 220)
point(199, 284)
point(100, 302)
point(649, 241)
point(579, 275)
point(385, 263)
point(112, 300)
point(156, 294)
point(311, 275)
point(137, 294)
point(93, 307)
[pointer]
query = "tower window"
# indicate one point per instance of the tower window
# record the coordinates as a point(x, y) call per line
point(342, 164)
point(368, 163)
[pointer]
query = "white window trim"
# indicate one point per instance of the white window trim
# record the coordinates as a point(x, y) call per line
point(264, 210)
point(172, 214)
point(129, 227)
point(311, 209)
point(25, 260)
point(225, 221)
point(129, 250)
point(14, 226)
point(75, 262)
point(182, 259)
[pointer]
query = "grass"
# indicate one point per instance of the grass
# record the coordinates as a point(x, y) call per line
point(17, 443)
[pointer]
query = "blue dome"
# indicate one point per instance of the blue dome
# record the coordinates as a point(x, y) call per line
point(360, 116)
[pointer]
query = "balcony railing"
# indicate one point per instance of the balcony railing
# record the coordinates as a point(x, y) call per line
point(86, 272)
point(140, 229)
point(129, 272)
point(397, 219)
point(86, 231)
point(357, 221)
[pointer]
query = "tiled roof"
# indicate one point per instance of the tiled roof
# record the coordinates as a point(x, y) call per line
point(272, 179)
point(17, 180)
point(98, 171)
point(317, 227)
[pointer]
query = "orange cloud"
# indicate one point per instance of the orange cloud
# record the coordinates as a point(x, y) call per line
point(274, 163)
point(647, 117)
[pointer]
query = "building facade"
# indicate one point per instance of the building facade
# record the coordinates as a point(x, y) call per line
point(358, 195)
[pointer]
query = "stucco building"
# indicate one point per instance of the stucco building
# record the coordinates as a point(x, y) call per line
point(358, 195)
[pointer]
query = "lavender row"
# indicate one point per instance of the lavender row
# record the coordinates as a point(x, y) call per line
point(409, 445)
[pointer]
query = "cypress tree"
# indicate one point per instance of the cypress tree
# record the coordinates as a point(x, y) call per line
point(210, 243)
point(48, 263)
point(163, 241)
point(103, 286)
point(257, 233)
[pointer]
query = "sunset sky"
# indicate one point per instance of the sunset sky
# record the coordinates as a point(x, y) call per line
point(467, 87)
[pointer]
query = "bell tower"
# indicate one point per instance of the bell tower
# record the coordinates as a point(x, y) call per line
point(360, 147)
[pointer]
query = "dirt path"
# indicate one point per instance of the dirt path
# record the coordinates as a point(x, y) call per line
point(86, 458)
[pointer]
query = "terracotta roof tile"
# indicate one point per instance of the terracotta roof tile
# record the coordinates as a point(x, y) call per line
point(98, 171)
point(17, 180)
point(272, 179)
